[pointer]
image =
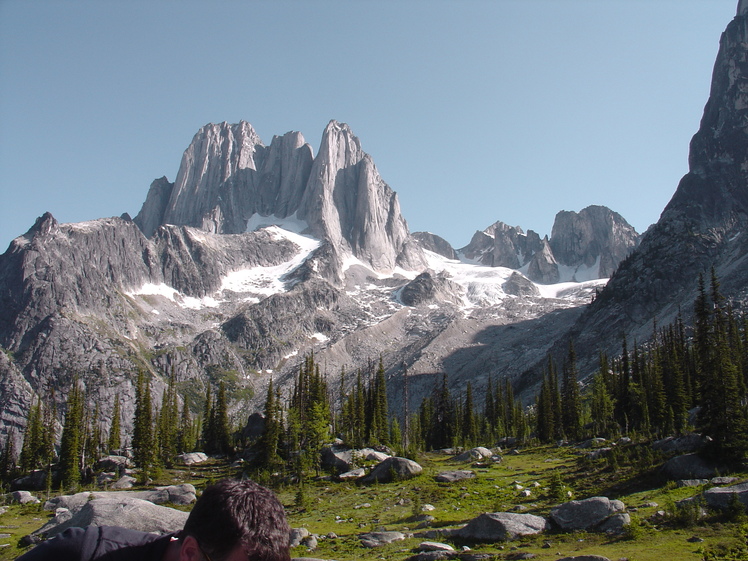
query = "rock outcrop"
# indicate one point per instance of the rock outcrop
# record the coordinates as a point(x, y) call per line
point(228, 177)
point(583, 246)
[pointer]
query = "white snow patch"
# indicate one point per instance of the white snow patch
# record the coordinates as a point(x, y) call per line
point(559, 290)
point(290, 223)
point(320, 337)
point(294, 353)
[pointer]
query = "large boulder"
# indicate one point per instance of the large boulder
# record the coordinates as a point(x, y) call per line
point(113, 463)
point(393, 469)
point(338, 458)
point(584, 558)
point(183, 494)
point(720, 497)
point(191, 458)
point(689, 466)
point(681, 444)
point(452, 476)
point(502, 526)
point(587, 514)
point(377, 539)
point(128, 512)
point(474, 454)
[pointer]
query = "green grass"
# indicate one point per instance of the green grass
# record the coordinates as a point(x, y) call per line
point(343, 511)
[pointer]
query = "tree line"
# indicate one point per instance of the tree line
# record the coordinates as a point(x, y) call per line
point(684, 378)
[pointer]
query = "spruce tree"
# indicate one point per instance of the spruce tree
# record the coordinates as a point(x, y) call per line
point(144, 438)
point(114, 442)
point(72, 438)
point(221, 421)
point(572, 405)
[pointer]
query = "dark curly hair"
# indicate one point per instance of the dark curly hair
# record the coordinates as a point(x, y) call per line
point(233, 512)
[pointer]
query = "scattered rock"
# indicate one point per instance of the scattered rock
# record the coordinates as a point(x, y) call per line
point(720, 497)
point(586, 514)
point(22, 497)
point(376, 539)
point(681, 444)
point(393, 468)
point(128, 512)
point(723, 480)
point(501, 526)
point(353, 474)
point(192, 458)
point(615, 524)
point(585, 558)
point(296, 535)
point(688, 466)
point(452, 476)
point(434, 546)
point(692, 482)
point(113, 463)
point(124, 482)
point(695, 539)
point(310, 542)
point(473, 454)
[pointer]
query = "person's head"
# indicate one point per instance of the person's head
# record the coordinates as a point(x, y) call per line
point(238, 519)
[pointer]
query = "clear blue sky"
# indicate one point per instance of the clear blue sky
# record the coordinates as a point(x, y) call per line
point(473, 111)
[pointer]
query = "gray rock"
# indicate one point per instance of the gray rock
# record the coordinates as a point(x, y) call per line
point(298, 534)
point(720, 497)
point(192, 458)
point(310, 542)
point(586, 514)
point(376, 539)
point(357, 473)
point(473, 454)
point(22, 497)
point(615, 524)
point(584, 558)
point(692, 482)
point(72, 503)
point(434, 546)
point(452, 476)
point(399, 468)
point(681, 444)
point(127, 512)
point(435, 244)
point(113, 463)
point(501, 526)
point(124, 482)
point(688, 466)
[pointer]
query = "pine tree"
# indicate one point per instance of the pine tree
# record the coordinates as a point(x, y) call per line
point(144, 438)
point(72, 438)
point(469, 422)
point(208, 423)
point(114, 442)
point(572, 405)
point(32, 439)
point(221, 420)
point(270, 441)
point(186, 433)
point(168, 425)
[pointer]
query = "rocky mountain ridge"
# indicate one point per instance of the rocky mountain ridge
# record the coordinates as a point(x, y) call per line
point(252, 257)
point(257, 255)
point(583, 246)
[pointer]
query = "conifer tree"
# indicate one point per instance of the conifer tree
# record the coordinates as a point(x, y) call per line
point(144, 438)
point(32, 439)
point(469, 422)
point(72, 438)
point(114, 442)
point(271, 439)
point(222, 427)
point(572, 405)
point(186, 433)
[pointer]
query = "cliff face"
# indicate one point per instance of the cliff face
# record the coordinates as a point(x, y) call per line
point(704, 225)
point(585, 245)
point(227, 176)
